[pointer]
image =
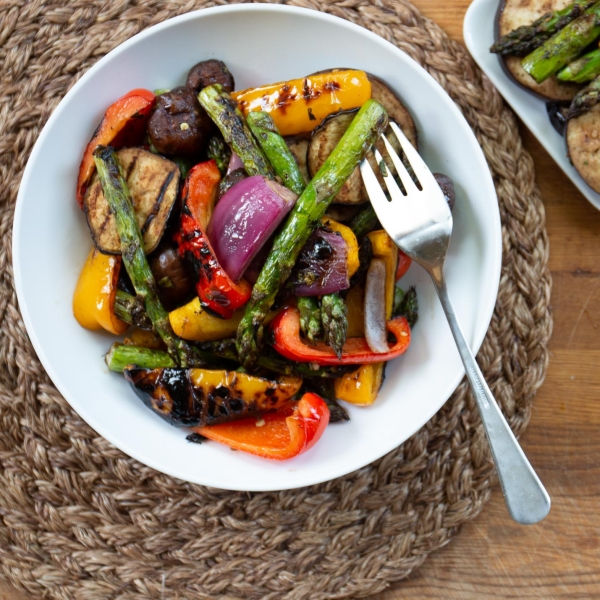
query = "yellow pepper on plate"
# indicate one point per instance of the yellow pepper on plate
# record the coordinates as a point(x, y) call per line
point(300, 105)
point(94, 296)
point(351, 243)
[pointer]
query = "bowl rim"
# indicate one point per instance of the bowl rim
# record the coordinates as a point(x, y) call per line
point(479, 329)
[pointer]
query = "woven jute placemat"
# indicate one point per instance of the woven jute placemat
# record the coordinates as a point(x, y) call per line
point(79, 519)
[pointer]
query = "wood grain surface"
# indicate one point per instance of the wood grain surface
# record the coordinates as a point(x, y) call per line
point(560, 557)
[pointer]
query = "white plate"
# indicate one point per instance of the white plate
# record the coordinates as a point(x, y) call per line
point(260, 44)
point(479, 32)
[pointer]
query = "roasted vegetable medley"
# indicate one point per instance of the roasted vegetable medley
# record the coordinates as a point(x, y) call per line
point(556, 55)
point(235, 247)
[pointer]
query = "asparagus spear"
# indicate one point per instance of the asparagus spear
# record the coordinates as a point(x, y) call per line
point(582, 70)
point(223, 110)
point(334, 315)
point(406, 304)
point(566, 45)
point(364, 222)
point(310, 317)
point(525, 39)
point(220, 152)
point(277, 151)
point(585, 100)
point(364, 130)
point(120, 356)
point(117, 195)
point(131, 310)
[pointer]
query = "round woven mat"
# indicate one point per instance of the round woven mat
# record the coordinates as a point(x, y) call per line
point(79, 519)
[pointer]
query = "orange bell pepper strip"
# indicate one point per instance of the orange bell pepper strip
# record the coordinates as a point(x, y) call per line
point(300, 105)
point(123, 124)
point(356, 351)
point(279, 435)
point(94, 296)
point(404, 263)
point(219, 295)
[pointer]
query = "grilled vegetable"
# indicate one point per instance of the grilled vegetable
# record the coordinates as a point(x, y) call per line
point(310, 317)
point(153, 183)
point(310, 207)
point(343, 213)
point(178, 125)
point(209, 72)
point(361, 386)
point(334, 316)
point(384, 248)
point(298, 146)
point(198, 397)
point(121, 356)
point(585, 100)
point(557, 113)
point(123, 124)
point(218, 293)
point(244, 220)
point(326, 390)
point(220, 152)
point(130, 309)
point(583, 143)
point(228, 118)
point(193, 323)
point(375, 331)
point(118, 199)
point(96, 292)
point(232, 178)
point(174, 284)
point(406, 305)
point(523, 40)
point(514, 14)
point(355, 304)
point(356, 351)
point(282, 435)
point(583, 69)
point(322, 265)
point(276, 150)
point(299, 105)
point(364, 222)
point(347, 234)
point(565, 46)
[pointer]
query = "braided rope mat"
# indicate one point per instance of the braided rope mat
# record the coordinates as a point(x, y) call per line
point(79, 519)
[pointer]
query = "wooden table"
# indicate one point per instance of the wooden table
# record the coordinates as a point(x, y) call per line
point(559, 558)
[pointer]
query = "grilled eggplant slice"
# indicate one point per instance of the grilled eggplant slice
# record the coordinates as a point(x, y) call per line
point(515, 13)
point(583, 144)
point(198, 397)
point(153, 182)
point(298, 146)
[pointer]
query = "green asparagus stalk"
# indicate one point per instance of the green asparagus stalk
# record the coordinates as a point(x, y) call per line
point(223, 110)
point(277, 151)
point(364, 130)
point(334, 315)
point(565, 46)
point(310, 317)
point(120, 356)
point(220, 152)
point(406, 304)
point(364, 222)
point(585, 100)
point(117, 195)
point(525, 39)
point(582, 70)
point(130, 309)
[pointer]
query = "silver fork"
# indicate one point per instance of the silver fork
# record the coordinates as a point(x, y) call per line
point(423, 233)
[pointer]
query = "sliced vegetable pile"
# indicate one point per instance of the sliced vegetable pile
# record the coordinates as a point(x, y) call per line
point(556, 55)
point(234, 240)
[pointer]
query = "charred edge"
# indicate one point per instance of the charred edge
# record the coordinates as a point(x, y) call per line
point(157, 203)
point(132, 166)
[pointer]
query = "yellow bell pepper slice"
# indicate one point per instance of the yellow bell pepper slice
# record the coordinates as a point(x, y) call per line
point(300, 105)
point(355, 303)
point(362, 386)
point(193, 323)
point(351, 243)
point(94, 296)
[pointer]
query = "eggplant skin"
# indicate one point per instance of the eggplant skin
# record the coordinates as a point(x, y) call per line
point(583, 144)
point(172, 394)
point(515, 13)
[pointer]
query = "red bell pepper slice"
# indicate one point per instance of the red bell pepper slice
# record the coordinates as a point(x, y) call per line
point(356, 351)
point(279, 435)
point(218, 293)
point(123, 124)
point(404, 263)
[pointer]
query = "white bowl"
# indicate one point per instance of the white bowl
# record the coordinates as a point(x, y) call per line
point(260, 44)
point(479, 32)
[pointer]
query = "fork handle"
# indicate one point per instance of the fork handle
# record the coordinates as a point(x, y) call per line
point(526, 498)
